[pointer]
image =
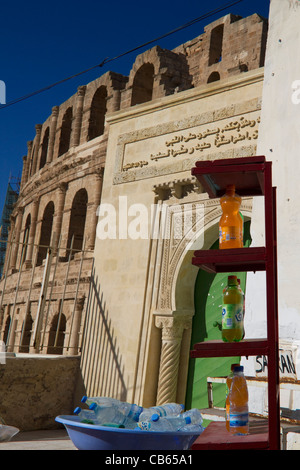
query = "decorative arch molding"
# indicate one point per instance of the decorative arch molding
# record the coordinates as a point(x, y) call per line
point(174, 275)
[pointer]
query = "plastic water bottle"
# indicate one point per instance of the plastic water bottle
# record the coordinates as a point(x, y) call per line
point(162, 410)
point(120, 413)
point(86, 416)
point(238, 403)
point(197, 429)
point(102, 401)
point(195, 416)
point(165, 423)
point(228, 387)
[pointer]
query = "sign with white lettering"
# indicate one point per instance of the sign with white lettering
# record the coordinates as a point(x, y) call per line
point(287, 366)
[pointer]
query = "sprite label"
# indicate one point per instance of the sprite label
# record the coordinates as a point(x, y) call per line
point(232, 316)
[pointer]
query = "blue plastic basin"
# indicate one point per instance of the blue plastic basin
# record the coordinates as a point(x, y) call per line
point(92, 437)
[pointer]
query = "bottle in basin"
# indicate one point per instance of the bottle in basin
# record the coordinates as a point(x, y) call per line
point(121, 413)
point(161, 410)
point(165, 423)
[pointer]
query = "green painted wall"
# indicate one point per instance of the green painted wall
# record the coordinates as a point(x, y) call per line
point(208, 311)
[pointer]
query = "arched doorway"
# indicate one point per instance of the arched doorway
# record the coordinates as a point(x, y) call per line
point(57, 334)
point(46, 231)
point(98, 111)
point(208, 301)
point(77, 221)
point(26, 334)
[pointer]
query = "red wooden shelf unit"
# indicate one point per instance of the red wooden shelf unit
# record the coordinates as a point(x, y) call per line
point(252, 176)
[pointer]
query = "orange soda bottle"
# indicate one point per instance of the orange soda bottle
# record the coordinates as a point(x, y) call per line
point(238, 403)
point(228, 386)
point(232, 312)
point(231, 222)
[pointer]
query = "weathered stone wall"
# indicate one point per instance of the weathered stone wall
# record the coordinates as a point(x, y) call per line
point(36, 389)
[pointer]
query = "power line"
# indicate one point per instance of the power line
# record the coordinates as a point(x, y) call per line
point(107, 59)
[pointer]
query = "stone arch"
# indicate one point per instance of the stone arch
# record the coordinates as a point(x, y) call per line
point(65, 133)
point(26, 334)
point(44, 148)
point(169, 70)
point(142, 87)
point(176, 321)
point(26, 237)
point(46, 231)
point(213, 77)
point(97, 113)
point(56, 336)
point(77, 220)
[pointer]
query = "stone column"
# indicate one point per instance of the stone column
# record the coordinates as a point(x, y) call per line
point(62, 188)
point(93, 209)
point(32, 231)
point(52, 133)
point(75, 138)
point(172, 333)
point(38, 129)
point(24, 172)
point(75, 326)
point(29, 159)
point(16, 239)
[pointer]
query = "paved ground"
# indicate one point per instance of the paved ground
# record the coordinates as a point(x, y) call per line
point(39, 440)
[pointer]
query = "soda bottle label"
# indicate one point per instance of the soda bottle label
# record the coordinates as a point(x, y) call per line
point(237, 420)
point(232, 316)
point(228, 233)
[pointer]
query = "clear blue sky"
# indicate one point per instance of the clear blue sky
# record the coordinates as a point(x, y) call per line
point(44, 42)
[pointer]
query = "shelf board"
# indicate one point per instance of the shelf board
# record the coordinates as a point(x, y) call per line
point(216, 437)
point(245, 173)
point(230, 260)
point(218, 348)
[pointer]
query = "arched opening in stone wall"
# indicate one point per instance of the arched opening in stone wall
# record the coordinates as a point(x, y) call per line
point(214, 77)
point(65, 133)
point(26, 334)
point(46, 231)
point(6, 328)
point(97, 115)
point(77, 221)
point(44, 148)
point(26, 237)
point(142, 87)
point(216, 45)
point(57, 334)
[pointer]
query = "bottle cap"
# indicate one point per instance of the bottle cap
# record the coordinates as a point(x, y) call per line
point(188, 420)
point(230, 188)
point(232, 280)
point(92, 406)
point(83, 399)
point(182, 406)
point(77, 410)
point(155, 417)
point(239, 369)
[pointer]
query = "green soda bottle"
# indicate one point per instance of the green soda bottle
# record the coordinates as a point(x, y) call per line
point(232, 312)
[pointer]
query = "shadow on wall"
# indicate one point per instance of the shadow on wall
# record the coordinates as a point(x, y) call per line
point(101, 362)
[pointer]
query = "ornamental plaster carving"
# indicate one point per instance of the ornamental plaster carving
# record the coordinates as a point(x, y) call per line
point(175, 146)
